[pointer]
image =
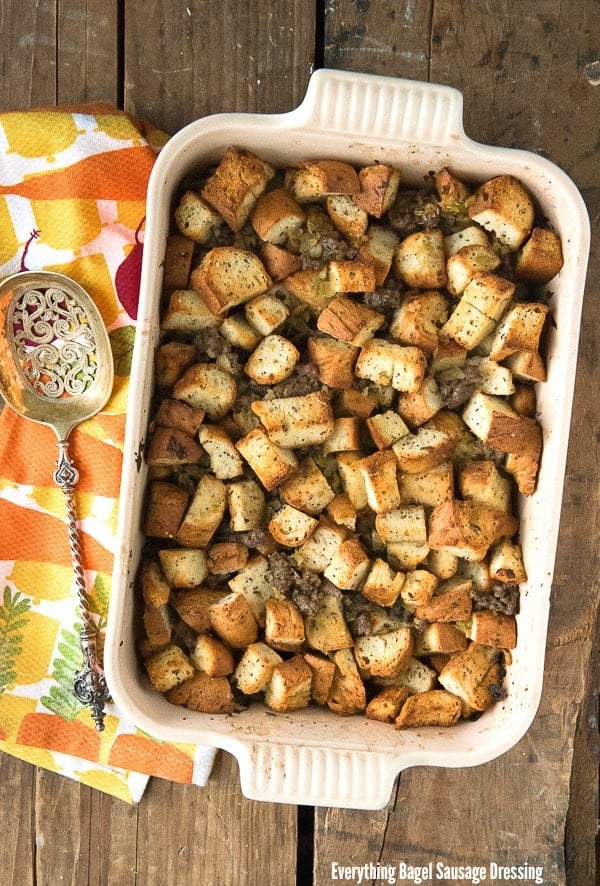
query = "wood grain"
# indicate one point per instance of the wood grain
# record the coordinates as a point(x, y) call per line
point(252, 56)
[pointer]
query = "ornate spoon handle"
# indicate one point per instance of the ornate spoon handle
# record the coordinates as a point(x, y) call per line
point(90, 684)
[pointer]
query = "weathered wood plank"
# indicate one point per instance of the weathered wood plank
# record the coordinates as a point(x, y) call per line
point(524, 84)
point(58, 53)
point(185, 832)
point(17, 820)
point(229, 57)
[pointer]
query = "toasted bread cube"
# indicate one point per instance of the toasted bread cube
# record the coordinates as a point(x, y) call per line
point(404, 524)
point(494, 629)
point(386, 428)
point(342, 511)
point(347, 695)
point(266, 312)
point(481, 482)
point(519, 330)
point(350, 220)
point(479, 574)
point(443, 564)
point(254, 583)
point(273, 360)
point(158, 625)
point(489, 293)
point(353, 402)
point(290, 685)
point(383, 655)
point(472, 235)
point(171, 447)
point(323, 670)
point(206, 386)
point(524, 465)
point(526, 366)
point(467, 529)
point(381, 481)
point(170, 360)
point(334, 360)
point(153, 584)
point(225, 557)
point(433, 708)
point(284, 625)
point(246, 504)
point(540, 258)
point(378, 251)
point(204, 513)
point(293, 422)
point(424, 450)
point(467, 325)
point(382, 585)
point(493, 378)
point(316, 552)
point(349, 321)
point(450, 602)
point(387, 363)
point(462, 266)
point(193, 606)
point(312, 287)
point(418, 588)
point(279, 263)
point(175, 414)
point(351, 276)
point(439, 637)
point(430, 487)
point(271, 463)
point(385, 706)
point(291, 527)
point(349, 566)
point(416, 676)
point(232, 619)
point(168, 667)
point(178, 262)
point(187, 313)
point(418, 320)
point(212, 657)
point(346, 436)
point(165, 507)
point(494, 421)
point(378, 188)
point(326, 630)
point(255, 667)
point(452, 192)
point(208, 694)
point(238, 332)
point(233, 189)
point(506, 562)
point(228, 276)
point(466, 672)
point(313, 181)
point(277, 216)
point(183, 567)
point(447, 356)
point(503, 206)
point(353, 482)
point(225, 460)
point(196, 218)
point(420, 261)
point(308, 490)
point(418, 406)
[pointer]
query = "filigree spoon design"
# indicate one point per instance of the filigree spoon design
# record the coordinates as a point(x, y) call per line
point(56, 368)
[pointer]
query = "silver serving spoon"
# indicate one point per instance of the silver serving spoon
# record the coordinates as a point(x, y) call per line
point(56, 368)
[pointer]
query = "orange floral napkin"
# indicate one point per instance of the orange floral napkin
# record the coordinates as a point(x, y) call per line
point(72, 200)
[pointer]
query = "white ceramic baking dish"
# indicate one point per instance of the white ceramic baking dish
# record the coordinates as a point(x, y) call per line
point(313, 756)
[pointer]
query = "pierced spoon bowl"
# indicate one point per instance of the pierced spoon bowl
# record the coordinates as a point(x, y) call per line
point(56, 368)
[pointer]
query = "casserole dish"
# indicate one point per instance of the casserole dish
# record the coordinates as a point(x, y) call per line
point(312, 756)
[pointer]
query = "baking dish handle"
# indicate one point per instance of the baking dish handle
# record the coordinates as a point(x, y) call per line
point(387, 107)
point(316, 776)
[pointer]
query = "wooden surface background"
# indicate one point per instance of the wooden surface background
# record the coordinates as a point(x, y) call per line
point(530, 75)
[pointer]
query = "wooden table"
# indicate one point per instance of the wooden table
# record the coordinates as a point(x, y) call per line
point(530, 75)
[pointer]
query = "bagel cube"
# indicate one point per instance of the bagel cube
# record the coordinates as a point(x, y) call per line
point(231, 618)
point(284, 625)
point(433, 708)
point(291, 527)
point(419, 318)
point(273, 360)
point(187, 312)
point(289, 687)
point(276, 216)
point(326, 629)
point(540, 258)
point(204, 513)
point(378, 251)
point(196, 218)
point(246, 504)
point(255, 667)
point(234, 187)
point(323, 670)
point(272, 464)
point(379, 184)
point(228, 276)
point(382, 585)
point(183, 567)
point(308, 490)
point(266, 312)
point(420, 261)
point(168, 667)
point(383, 655)
point(349, 566)
point(293, 422)
point(349, 321)
point(503, 207)
point(334, 360)
point(208, 387)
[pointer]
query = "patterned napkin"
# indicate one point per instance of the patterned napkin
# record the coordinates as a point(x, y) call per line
point(72, 200)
